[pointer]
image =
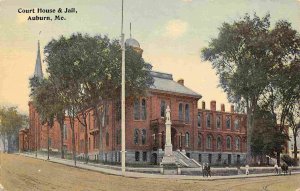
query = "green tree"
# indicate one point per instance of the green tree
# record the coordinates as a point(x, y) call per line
point(250, 60)
point(240, 57)
point(11, 122)
point(88, 73)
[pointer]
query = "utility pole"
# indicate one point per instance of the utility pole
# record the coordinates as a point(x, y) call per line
point(123, 96)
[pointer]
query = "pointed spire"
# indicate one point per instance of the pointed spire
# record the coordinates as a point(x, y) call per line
point(38, 64)
point(130, 29)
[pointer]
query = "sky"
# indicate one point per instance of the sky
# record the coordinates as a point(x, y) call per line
point(171, 33)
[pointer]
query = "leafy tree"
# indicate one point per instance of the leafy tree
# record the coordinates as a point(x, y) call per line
point(42, 101)
point(10, 123)
point(87, 71)
point(240, 57)
point(250, 58)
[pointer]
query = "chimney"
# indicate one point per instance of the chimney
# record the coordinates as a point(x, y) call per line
point(181, 82)
point(203, 104)
point(232, 109)
point(222, 107)
point(213, 105)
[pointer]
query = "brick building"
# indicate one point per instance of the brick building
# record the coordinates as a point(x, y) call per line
point(203, 134)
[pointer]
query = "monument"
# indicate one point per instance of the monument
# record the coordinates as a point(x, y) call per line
point(168, 164)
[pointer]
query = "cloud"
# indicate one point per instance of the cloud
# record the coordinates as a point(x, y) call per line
point(176, 28)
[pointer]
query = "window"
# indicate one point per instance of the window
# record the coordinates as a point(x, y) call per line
point(199, 119)
point(199, 140)
point(228, 121)
point(143, 136)
point(218, 121)
point(209, 158)
point(237, 143)
point(229, 158)
point(180, 112)
point(144, 156)
point(144, 112)
point(50, 142)
point(187, 113)
point(162, 108)
point(208, 141)
point(199, 158)
point(219, 157)
point(118, 137)
point(228, 142)
point(65, 131)
point(238, 159)
point(236, 123)
point(208, 120)
point(136, 108)
point(107, 139)
point(137, 156)
point(219, 143)
point(136, 136)
point(187, 139)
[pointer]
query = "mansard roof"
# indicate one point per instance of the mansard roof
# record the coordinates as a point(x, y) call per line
point(165, 82)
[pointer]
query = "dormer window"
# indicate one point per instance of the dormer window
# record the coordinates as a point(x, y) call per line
point(162, 108)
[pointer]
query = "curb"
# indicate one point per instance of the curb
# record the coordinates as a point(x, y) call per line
point(156, 176)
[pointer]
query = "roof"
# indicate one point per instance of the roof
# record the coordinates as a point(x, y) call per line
point(132, 42)
point(165, 82)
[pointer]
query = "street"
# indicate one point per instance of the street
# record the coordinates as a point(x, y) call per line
point(23, 173)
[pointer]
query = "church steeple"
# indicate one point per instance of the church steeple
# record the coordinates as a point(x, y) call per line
point(38, 72)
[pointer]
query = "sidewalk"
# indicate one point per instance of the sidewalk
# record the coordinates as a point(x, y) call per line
point(117, 171)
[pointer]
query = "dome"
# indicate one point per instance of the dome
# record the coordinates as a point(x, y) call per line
point(132, 42)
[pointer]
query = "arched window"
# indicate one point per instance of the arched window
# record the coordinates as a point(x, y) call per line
point(144, 109)
point(237, 143)
point(187, 113)
point(180, 112)
point(162, 108)
point(187, 139)
point(107, 139)
point(218, 121)
point(136, 107)
point(228, 142)
point(199, 119)
point(199, 140)
point(143, 136)
point(209, 142)
point(236, 123)
point(219, 143)
point(208, 120)
point(136, 136)
point(228, 122)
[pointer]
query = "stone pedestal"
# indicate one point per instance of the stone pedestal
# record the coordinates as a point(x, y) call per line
point(169, 161)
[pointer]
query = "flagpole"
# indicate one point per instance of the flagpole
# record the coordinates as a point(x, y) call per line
point(123, 96)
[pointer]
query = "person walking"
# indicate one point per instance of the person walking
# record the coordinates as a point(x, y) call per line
point(247, 169)
point(276, 168)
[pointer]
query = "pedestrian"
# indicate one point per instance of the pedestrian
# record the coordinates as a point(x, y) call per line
point(208, 170)
point(276, 168)
point(247, 169)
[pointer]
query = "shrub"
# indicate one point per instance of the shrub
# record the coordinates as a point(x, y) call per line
point(288, 160)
